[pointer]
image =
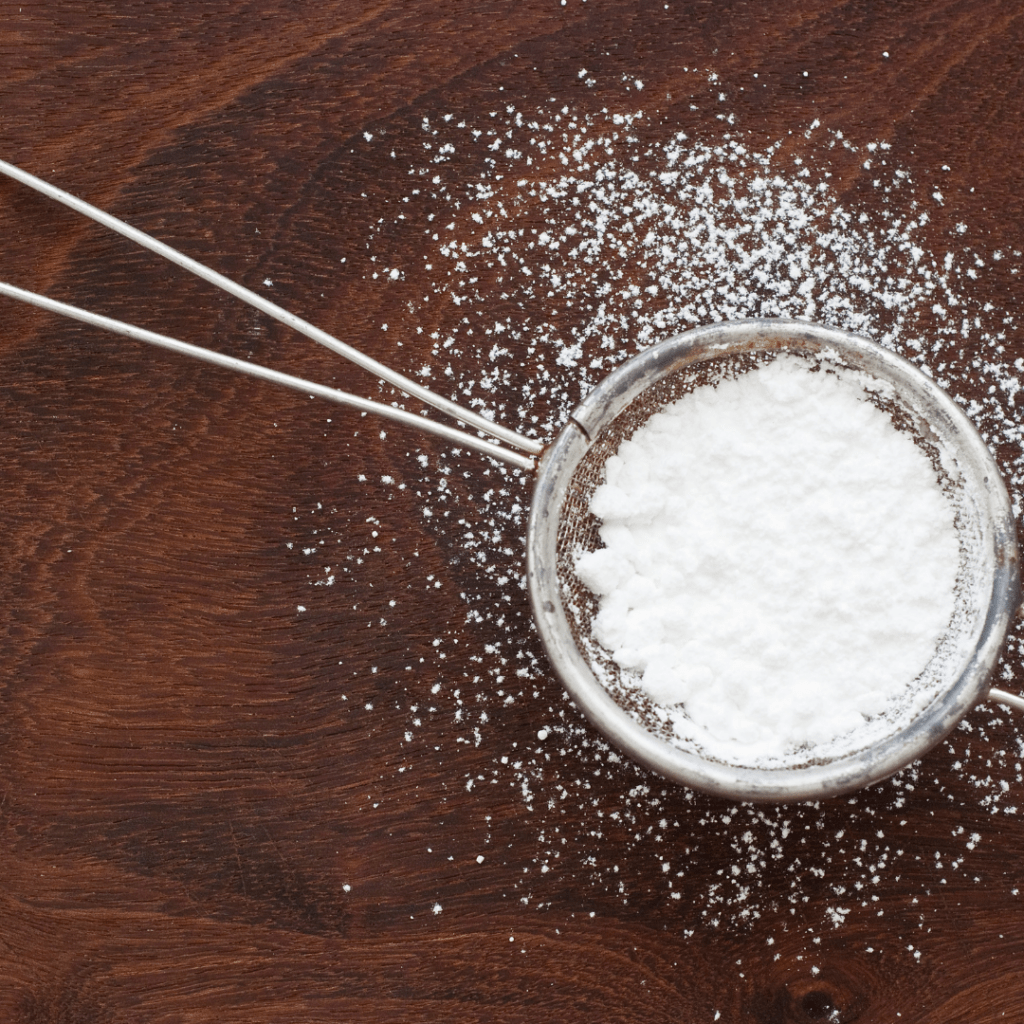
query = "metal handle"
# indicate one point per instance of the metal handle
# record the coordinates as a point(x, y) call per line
point(265, 373)
point(1011, 700)
point(398, 380)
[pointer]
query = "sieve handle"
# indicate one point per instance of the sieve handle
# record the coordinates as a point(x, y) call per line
point(398, 380)
point(1011, 700)
point(307, 387)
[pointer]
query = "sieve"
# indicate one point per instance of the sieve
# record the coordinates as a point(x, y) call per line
point(561, 526)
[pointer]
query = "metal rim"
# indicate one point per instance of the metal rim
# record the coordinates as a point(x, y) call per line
point(841, 775)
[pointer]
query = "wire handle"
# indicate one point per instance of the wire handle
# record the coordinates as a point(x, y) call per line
point(1011, 700)
point(398, 380)
point(414, 420)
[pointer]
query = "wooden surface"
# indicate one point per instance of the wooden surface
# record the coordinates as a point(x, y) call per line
point(232, 792)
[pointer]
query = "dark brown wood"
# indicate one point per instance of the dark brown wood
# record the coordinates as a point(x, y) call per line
point(217, 807)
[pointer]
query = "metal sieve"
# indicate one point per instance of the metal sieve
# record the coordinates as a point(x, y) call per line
point(561, 525)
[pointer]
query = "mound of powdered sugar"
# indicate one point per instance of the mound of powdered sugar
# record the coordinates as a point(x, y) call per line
point(779, 561)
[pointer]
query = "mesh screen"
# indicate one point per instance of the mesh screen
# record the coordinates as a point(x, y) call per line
point(578, 532)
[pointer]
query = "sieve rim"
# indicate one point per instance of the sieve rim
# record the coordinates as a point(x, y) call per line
point(779, 785)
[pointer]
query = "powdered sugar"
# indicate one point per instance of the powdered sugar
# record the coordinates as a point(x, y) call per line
point(779, 563)
point(553, 241)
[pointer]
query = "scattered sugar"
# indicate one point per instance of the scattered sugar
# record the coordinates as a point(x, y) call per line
point(779, 563)
point(574, 234)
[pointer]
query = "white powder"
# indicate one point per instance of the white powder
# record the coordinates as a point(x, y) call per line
point(539, 245)
point(780, 561)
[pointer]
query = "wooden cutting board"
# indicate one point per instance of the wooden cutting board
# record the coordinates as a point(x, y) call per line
point(277, 738)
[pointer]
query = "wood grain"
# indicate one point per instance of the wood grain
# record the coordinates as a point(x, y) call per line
point(216, 807)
